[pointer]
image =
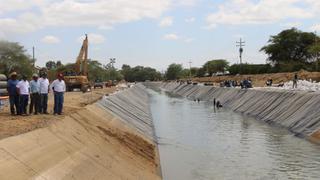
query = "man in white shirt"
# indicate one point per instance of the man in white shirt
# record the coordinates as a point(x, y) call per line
point(44, 90)
point(23, 89)
point(59, 87)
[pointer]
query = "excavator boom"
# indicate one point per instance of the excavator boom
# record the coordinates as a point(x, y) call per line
point(81, 65)
point(79, 80)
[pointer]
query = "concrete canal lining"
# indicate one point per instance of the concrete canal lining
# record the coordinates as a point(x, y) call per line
point(296, 111)
point(107, 140)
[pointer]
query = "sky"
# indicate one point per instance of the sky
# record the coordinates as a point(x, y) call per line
point(152, 33)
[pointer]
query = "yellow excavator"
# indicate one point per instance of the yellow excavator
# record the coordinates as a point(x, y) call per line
point(79, 78)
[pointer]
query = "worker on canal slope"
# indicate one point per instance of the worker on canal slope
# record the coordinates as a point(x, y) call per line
point(219, 105)
point(295, 81)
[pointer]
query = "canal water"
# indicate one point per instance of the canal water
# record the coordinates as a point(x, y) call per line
point(197, 141)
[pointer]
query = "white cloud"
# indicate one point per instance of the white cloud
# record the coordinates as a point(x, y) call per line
point(74, 13)
point(17, 5)
point(190, 20)
point(165, 22)
point(315, 27)
point(186, 2)
point(236, 12)
point(93, 38)
point(292, 24)
point(188, 40)
point(49, 39)
point(171, 36)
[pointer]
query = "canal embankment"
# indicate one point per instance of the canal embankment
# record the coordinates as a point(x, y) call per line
point(298, 111)
point(110, 139)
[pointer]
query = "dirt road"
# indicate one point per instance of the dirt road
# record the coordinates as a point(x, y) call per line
point(74, 101)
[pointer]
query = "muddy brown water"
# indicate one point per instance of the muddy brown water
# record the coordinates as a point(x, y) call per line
point(197, 141)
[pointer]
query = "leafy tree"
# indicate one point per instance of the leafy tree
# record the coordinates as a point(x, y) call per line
point(290, 46)
point(51, 65)
point(59, 64)
point(314, 50)
point(13, 57)
point(250, 69)
point(139, 73)
point(173, 71)
point(201, 72)
point(214, 66)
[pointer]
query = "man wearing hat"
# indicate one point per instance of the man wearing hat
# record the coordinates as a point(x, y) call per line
point(35, 95)
point(59, 87)
point(13, 94)
point(23, 91)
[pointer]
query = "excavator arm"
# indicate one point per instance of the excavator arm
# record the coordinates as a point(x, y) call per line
point(81, 65)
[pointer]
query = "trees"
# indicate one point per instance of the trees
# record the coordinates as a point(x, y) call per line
point(173, 71)
point(214, 66)
point(290, 46)
point(51, 65)
point(13, 57)
point(250, 69)
point(140, 73)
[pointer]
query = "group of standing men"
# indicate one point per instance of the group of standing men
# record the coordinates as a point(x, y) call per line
point(37, 90)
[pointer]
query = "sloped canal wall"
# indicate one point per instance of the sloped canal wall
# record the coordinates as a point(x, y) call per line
point(297, 111)
point(111, 139)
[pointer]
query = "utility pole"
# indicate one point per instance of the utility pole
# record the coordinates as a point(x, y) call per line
point(240, 44)
point(190, 69)
point(316, 53)
point(33, 57)
point(112, 61)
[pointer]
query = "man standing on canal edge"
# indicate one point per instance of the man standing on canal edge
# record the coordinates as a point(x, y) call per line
point(23, 91)
point(59, 87)
point(13, 94)
point(35, 95)
point(44, 90)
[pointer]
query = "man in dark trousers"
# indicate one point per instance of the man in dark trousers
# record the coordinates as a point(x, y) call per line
point(59, 87)
point(23, 89)
point(13, 94)
point(44, 90)
point(295, 81)
point(35, 95)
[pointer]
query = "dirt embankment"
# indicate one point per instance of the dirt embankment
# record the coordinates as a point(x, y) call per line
point(87, 142)
point(259, 80)
point(74, 101)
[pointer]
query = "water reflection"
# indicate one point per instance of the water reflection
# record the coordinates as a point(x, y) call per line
point(197, 141)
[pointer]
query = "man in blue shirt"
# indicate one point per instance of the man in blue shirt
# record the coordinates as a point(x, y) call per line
point(34, 95)
point(13, 94)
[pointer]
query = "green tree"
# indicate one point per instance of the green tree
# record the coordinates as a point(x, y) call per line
point(13, 57)
point(173, 71)
point(290, 46)
point(250, 69)
point(139, 73)
point(214, 66)
point(51, 65)
point(314, 50)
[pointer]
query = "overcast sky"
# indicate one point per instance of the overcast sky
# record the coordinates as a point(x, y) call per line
point(152, 32)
